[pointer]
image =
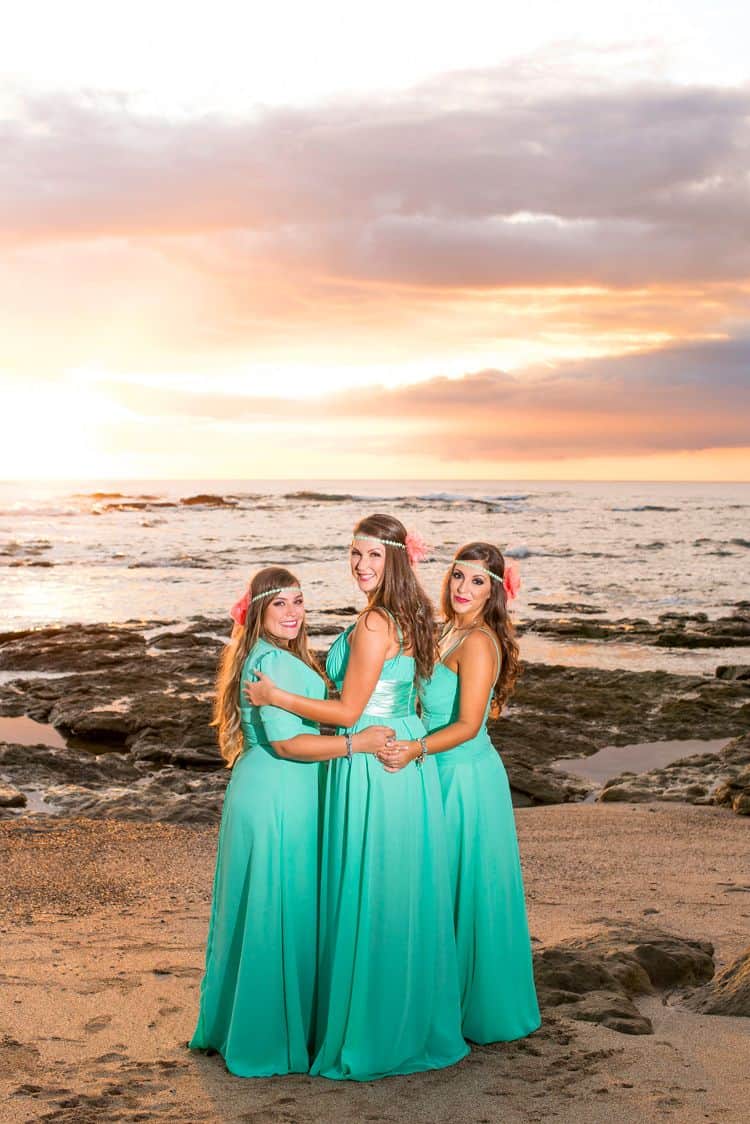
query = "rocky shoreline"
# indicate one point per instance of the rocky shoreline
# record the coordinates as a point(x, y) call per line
point(133, 703)
point(670, 630)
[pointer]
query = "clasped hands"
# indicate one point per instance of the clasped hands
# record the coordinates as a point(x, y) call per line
point(381, 741)
point(392, 754)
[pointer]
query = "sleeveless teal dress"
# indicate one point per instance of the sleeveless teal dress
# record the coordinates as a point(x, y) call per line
point(257, 994)
point(388, 987)
point(498, 997)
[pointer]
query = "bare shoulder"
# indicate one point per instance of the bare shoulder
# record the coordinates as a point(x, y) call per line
point(375, 620)
point(479, 645)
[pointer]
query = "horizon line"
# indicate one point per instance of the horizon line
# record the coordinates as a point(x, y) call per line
point(366, 479)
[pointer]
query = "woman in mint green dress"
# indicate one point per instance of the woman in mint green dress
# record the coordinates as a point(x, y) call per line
point(258, 992)
point(388, 1000)
point(476, 671)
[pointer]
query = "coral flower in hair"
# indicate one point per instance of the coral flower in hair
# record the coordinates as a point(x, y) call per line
point(511, 580)
point(238, 611)
point(416, 548)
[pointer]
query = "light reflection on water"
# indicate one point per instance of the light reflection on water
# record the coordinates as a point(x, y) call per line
point(613, 655)
point(633, 550)
point(25, 731)
point(613, 760)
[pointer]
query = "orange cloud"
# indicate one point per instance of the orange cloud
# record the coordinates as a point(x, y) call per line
point(461, 226)
point(683, 398)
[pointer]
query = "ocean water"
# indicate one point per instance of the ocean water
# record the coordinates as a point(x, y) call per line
point(116, 551)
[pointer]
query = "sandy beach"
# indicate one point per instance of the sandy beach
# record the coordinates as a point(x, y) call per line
point(315, 316)
point(103, 925)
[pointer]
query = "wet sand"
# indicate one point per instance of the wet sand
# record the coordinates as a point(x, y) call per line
point(103, 926)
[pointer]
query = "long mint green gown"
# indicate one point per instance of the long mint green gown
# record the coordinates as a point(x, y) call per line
point(388, 987)
point(258, 991)
point(498, 997)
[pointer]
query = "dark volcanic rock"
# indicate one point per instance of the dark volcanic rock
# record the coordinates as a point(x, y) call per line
point(177, 641)
point(613, 1011)
point(574, 711)
point(671, 630)
point(595, 978)
point(538, 787)
point(735, 792)
point(208, 501)
point(566, 607)
point(111, 785)
point(151, 698)
point(728, 993)
point(705, 778)
point(11, 797)
point(76, 648)
point(668, 961)
point(733, 671)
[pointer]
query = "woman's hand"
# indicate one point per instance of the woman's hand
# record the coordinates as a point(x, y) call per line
point(261, 692)
point(372, 739)
point(398, 754)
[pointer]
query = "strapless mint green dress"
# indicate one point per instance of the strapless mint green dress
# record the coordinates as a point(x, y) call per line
point(257, 994)
point(388, 985)
point(498, 997)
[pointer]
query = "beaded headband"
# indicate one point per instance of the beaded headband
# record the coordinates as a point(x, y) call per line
point(476, 566)
point(385, 542)
point(238, 611)
point(279, 589)
point(511, 581)
point(415, 546)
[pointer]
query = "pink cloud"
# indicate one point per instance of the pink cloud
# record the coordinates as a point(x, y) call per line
point(681, 398)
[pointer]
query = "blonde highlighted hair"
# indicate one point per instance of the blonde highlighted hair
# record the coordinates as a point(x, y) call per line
point(226, 716)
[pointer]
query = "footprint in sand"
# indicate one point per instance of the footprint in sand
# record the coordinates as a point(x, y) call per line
point(176, 970)
point(93, 1026)
point(16, 1057)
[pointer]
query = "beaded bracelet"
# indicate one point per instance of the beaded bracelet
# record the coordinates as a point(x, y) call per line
point(419, 761)
point(349, 746)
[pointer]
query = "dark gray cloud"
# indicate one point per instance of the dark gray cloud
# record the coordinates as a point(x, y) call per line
point(616, 186)
point(682, 398)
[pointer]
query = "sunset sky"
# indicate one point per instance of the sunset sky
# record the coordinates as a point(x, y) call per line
point(343, 240)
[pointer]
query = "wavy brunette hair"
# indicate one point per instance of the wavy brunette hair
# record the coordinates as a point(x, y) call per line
point(400, 593)
point(495, 616)
point(226, 716)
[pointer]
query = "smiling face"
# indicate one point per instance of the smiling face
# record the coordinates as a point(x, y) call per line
point(284, 614)
point(469, 590)
point(367, 560)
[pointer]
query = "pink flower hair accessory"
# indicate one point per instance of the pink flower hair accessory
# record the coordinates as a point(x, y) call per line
point(511, 580)
point(416, 548)
point(238, 612)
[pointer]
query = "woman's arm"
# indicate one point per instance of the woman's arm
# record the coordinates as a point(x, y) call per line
point(369, 643)
point(325, 747)
point(477, 671)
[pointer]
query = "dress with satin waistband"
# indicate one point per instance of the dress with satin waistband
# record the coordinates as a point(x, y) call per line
point(388, 999)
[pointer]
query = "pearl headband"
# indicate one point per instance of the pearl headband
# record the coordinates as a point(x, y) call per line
point(415, 546)
point(385, 542)
point(279, 589)
point(238, 612)
point(511, 582)
point(476, 566)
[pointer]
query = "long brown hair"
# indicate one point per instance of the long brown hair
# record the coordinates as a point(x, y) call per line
point(226, 716)
point(400, 593)
point(495, 616)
